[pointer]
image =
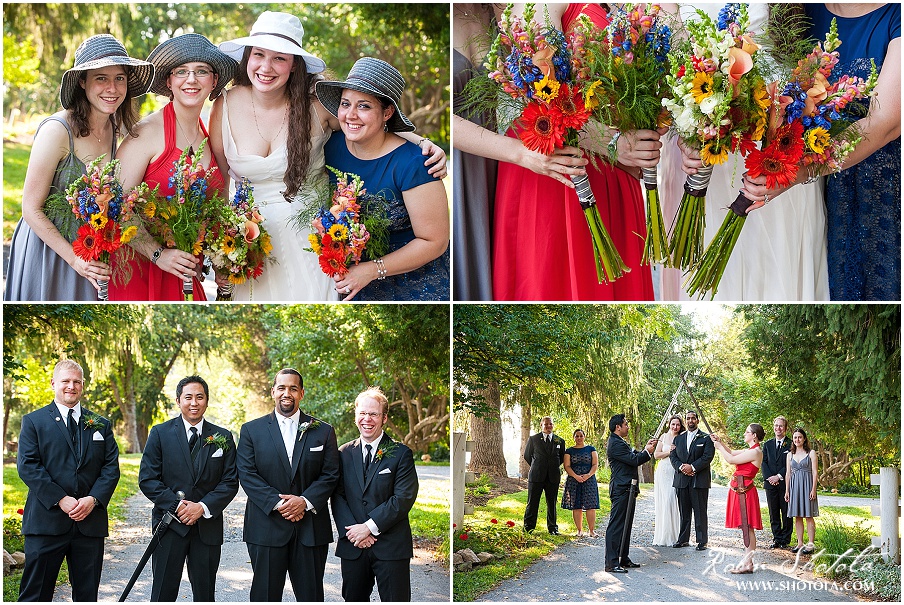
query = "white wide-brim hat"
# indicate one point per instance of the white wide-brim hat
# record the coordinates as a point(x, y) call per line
point(103, 50)
point(277, 32)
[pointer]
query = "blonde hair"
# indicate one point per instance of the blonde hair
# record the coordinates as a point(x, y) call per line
point(375, 393)
point(67, 364)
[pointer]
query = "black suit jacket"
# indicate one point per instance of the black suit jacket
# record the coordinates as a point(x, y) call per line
point(775, 460)
point(265, 472)
point(52, 469)
point(702, 452)
point(544, 463)
point(386, 495)
point(166, 468)
point(623, 462)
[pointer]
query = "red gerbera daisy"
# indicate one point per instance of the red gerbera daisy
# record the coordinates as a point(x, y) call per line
point(86, 246)
point(789, 141)
point(541, 128)
point(570, 103)
point(332, 264)
point(777, 168)
point(110, 239)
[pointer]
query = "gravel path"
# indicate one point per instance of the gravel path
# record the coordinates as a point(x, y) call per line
point(574, 572)
point(128, 541)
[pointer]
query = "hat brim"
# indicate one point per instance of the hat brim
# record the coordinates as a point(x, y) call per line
point(236, 48)
point(184, 49)
point(140, 76)
point(330, 94)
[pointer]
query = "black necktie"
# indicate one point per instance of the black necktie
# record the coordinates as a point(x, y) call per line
point(193, 443)
point(72, 425)
point(367, 459)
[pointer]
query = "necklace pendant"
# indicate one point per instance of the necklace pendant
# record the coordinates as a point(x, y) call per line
point(191, 151)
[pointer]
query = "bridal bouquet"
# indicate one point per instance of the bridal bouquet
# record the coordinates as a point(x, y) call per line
point(530, 64)
point(97, 203)
point(622, 70)
point(179, 220)
point(811, 124)
point(718, 103)
point(235, 239)
point(351, 223)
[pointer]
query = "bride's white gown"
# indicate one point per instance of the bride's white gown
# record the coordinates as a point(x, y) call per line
point(296, 274)
point(781, 253)
point(665, 531)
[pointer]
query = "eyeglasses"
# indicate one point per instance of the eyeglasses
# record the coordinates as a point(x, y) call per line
point(199, 73)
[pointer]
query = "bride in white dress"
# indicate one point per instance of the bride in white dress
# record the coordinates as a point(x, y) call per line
point(781, 253)
point(665, 530)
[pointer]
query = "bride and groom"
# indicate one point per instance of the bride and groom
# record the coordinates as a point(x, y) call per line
point(681, 483)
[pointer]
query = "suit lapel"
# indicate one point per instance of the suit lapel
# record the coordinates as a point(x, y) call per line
point(178, 434)
point(85, 438)
point(61, 423)
point(278, 446)
point(204, 454)
point(300, 443)
point(375, 463)
point(358, 463)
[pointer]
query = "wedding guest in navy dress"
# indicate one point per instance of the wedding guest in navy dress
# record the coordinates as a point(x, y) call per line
point(581, 490)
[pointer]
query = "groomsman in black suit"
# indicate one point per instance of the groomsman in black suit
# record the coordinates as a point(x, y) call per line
point(775, 459)
point(693, 453)
point(194, 456)
point(70, 463)
point(288, 465)
point(623, 463)
point(371, 505)
point(545, 452)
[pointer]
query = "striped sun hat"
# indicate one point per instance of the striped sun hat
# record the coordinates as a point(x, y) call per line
point(103, 50)
point(190, 48)
point(374, 77)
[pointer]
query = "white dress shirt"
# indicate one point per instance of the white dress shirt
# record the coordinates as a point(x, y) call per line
point(200, 426)
point(64, 411)
point(373, 452)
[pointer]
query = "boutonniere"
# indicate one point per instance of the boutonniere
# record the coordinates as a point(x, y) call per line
point(302, 427)
point(93, 422)
point(386, 451)
point(218, 440)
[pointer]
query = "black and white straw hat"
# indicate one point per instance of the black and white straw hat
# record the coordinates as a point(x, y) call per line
point(190, 48)
point(103, 50)
point(374, 77)
point(279, 32)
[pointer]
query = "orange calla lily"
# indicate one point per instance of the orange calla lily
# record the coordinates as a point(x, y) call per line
point(251, 231)
point(101, 201)
point(748, 45)
point(256, 217)
point(739, 63)
point(543, 59)
point(775, 117)
point(816, 93)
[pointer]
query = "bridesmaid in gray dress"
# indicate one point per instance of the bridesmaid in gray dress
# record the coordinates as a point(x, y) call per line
point(96, 95)
point(800, 490)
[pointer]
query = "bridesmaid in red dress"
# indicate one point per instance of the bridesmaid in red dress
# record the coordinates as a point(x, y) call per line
point(188, 69)
point(748, 464)
point(542, 246)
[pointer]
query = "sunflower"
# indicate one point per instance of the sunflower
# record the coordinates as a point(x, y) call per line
point(315, 243)
point(779, 172)
point(546, 89)
point(541, 129)
point(702, 86)
point(591, 100)
point(761, 96)
point(86, 246)
point(198, 246)
point(228, 245)
point(339, 232)
point(98, 221)
point(713, 153)
point(128, 233)
point(759, 130)
point(817, 139)
point(150, 209)
point(266, 245)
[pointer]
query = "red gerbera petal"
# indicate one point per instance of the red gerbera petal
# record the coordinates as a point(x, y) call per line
point(332, 264)
point(541, 128)
point(570, 103)
point(86, 246)
point(777, 168)
point(110, 237)
point(789, 141)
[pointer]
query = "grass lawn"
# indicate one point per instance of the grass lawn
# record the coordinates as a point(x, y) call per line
point(520, 549)
point(429, 517)
point(14, 492)
point(15, 161)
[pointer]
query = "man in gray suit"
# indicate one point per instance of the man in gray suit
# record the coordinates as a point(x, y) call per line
point(545, 452)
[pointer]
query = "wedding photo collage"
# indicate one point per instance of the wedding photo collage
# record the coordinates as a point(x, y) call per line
point(451, 302)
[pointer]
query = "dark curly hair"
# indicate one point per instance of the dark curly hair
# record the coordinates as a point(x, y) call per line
point(300, 95)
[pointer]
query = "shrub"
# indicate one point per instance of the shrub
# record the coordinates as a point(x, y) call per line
point(838, 544)
point(483, 486)
point(885, 579)
point(497, 537)
point(12, 534)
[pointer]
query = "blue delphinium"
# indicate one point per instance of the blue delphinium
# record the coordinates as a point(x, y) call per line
point(729, 14)
point(798, 97)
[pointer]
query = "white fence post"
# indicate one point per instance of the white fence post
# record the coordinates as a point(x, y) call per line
point(460, 477)
point(889, 511)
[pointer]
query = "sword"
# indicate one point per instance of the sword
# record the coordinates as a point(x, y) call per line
point(168, 517)
point(669, 410)
point(696, 405)
point(629, 520)
point(740, 488)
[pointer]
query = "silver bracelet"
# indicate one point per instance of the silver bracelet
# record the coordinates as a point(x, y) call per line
point(812, 176)
point(381, 269)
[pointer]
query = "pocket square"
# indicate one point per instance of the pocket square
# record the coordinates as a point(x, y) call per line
point(97, 436)
point(319, 448)
point(218, 453)
point(700, 444)
point(385, 471)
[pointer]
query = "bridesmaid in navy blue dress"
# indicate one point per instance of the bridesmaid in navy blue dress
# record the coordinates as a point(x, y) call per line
point(367, 106)
point(863, 201)
point(581, 490)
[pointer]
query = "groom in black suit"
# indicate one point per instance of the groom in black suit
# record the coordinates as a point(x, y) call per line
point(545, 452)
point(69, 460)
point(288, 465)
point(623, 463)
point(693, 453)
point(371, 505)
point(194, 456)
